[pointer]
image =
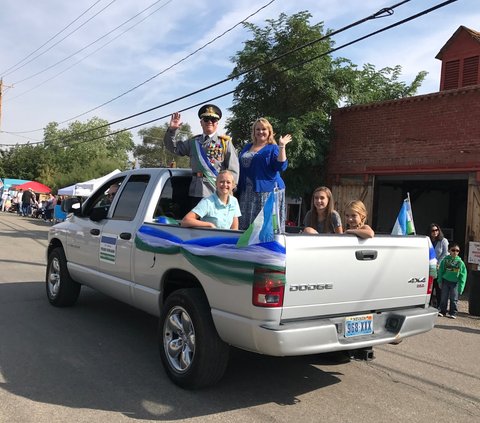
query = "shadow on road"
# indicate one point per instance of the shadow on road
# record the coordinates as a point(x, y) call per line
point(459, 328)
point(102, 354)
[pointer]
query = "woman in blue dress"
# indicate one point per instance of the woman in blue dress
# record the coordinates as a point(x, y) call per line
point(261, 162)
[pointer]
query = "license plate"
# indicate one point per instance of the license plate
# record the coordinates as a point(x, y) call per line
point(359, 325)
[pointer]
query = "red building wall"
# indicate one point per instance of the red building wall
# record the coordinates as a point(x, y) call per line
point(433, 132)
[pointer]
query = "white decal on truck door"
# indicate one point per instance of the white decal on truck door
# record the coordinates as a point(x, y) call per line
point(108, 248)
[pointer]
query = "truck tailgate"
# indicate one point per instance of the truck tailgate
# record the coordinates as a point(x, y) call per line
point(328, 275)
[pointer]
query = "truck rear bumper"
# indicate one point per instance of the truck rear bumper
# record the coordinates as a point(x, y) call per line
point(321, 335)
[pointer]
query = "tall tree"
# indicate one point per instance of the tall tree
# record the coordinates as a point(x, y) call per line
point(298, 92)
point(152, 153)
point(369, 85)
point(79, 152)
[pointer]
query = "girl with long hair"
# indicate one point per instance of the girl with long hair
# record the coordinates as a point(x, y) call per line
point(355, 217)
point(322, 217)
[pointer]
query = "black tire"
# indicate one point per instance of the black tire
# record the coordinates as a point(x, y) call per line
point(62, 290)
point(192, 353)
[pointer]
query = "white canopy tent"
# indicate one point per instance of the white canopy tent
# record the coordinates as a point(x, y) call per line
point(84, 189)
point(67, 190)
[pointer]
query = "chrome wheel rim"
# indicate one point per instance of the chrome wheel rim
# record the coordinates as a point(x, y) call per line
point(179, 339)
point(53, 280)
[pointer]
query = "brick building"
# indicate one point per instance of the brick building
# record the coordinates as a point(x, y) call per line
point(427, 146)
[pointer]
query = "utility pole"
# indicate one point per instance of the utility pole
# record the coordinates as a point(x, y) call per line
point(1, 91)
point(1, 95)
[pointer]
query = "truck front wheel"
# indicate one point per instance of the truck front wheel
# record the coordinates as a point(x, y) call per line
point(62, 290)
point(192, 353)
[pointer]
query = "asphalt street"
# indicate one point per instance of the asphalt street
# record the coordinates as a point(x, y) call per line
point(98, 362)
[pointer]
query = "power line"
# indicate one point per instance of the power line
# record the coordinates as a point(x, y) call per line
point(85, 57)
point(149, 79)
point(59, 41)
point(299, 64)
point(378, 14)
point(88, 45)
point(50, 39)
point(173, 65)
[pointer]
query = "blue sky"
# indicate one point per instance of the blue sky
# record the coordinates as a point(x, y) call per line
point(175, 29)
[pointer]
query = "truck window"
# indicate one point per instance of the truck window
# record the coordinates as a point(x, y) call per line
point(104, 197)
point(174, 201)
point(131, 197)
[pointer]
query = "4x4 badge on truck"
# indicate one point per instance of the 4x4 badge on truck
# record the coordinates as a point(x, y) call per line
point(311, 287)
point(417, 280)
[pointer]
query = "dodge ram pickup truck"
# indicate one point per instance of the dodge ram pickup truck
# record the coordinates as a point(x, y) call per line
point(296, 294)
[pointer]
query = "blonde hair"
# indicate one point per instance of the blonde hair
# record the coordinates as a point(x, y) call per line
point(327, 226)
point(358, 207)
point(227, 172)
point(271, 134)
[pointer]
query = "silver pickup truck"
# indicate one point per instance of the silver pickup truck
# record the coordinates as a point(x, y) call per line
point(296, 295)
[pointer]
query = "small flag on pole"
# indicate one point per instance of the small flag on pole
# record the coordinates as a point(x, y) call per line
point(432, 260)
point(262, 228)
point(404, 224)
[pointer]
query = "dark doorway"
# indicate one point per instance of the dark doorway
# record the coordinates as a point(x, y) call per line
point(435, 198)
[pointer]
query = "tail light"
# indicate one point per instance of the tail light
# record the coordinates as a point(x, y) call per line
point(430, 285)
point(268, 287)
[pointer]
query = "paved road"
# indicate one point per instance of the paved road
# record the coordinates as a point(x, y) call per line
point(98, 362)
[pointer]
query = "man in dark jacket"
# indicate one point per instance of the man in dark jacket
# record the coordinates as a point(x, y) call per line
point(27, 199)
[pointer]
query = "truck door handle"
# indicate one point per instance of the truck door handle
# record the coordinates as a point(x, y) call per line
point(126, 235)
point(95, 231)
point(366, 255)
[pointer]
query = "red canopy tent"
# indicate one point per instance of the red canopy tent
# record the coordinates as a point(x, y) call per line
point(35, 186)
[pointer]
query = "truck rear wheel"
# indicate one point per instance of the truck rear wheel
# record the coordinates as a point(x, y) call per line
point(62, 290)
point(192, 353)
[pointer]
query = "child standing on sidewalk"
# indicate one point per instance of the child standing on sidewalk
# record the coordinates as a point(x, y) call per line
point(452, 275)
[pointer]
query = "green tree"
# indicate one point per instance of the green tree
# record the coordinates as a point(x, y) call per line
point(369, 85)
point(298, 95)
point(23, 161)
point(79, 152)
point(152, 153)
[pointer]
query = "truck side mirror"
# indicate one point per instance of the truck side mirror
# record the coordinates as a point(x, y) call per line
point(99, 213)
point(71, 205)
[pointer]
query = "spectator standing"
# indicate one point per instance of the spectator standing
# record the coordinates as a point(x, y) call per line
point(452, 276)
point(5, 196)
point(50, 207)
point(27, 200)
point(261, 162)
point(18, 201)
point(440, 244)
point(8, 203)
point(209, 152)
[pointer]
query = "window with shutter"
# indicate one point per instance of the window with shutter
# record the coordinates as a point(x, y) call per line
point(470, 71)
point(452, 72)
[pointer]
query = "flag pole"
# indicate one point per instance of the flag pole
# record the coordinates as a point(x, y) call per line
point(411, 212)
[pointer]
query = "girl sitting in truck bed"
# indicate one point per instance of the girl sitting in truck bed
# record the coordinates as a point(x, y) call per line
point(355, 217)
point(219, 210)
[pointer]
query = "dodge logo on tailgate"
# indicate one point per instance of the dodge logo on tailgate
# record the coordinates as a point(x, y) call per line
point(311, 287)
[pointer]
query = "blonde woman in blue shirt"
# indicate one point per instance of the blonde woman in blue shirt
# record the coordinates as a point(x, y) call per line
point(219, 210)
point(261, 162)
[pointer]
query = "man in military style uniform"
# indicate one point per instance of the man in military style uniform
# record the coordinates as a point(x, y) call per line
point(209, 152)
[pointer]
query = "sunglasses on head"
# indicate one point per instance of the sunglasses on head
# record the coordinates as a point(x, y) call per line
point(455, 250)
point(209, 119)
